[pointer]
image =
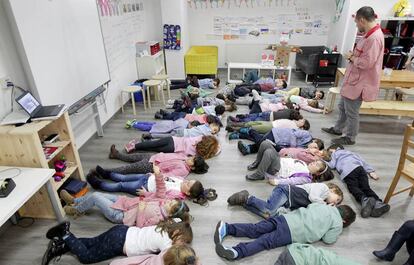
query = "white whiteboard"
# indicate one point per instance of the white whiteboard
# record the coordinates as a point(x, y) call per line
point(61, 46)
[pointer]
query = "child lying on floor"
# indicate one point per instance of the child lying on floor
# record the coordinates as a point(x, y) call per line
point(308, 155)
point(170, 164)
point(282, 137)
point(309, 92)
point(304, 225)
point(281, 171)
point(354, 171)
point(119, 240)
point(288, 196)
point(310, 105)
point(129, 211)
point(263, 127)
point(145, 185)
point(305, 254)
point(290, 114)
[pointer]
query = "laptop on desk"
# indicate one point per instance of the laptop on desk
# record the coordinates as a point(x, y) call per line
point(36, 111)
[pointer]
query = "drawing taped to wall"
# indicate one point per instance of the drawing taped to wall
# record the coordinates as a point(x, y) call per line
point(109, 8)
point(210, 4)
point(172, 37)
point(299, 23)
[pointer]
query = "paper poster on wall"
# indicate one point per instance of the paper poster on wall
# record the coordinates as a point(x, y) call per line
point(172, 37)
point(118, 7)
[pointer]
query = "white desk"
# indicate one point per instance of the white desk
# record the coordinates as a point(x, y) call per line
point(28, 183)
point(257, 66)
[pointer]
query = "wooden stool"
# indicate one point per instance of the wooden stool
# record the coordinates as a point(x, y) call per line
point(165, 82)
point(330, 99)
point(156, 84)
point(131, 90)
point(405, 166)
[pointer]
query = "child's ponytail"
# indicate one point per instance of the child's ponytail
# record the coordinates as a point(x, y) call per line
point(180, 255)
point(180, 231)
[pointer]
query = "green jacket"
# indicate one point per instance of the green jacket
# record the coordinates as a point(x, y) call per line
point(316, 222)
point(304, 254)
point(202, 92)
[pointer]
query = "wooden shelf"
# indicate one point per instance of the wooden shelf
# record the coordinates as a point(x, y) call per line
point(68, 172)
point(60, 145)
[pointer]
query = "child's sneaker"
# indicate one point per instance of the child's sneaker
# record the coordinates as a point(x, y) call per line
point(228, 253)
point(367, 205)
point(243, 148)
point(71, 211)
point(129, 123)
point(171, 101)
point(379, 209)
point(220, 233)
point(130, 146)
point(234, 136)
point(238, 198)
point(244, 130)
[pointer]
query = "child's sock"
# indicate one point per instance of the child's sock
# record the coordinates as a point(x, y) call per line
point(102, 172)
point(221, 232)
point(228, 253)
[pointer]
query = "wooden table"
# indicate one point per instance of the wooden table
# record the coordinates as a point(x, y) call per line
point(28, 182)
point(397, 79)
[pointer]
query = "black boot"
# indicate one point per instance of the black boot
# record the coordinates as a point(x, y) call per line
point(392, 248)
point(55, 248)
point(410, 260)
point(58, 231)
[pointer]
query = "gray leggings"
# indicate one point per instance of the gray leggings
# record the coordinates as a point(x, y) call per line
point(140, 165)
point(268, 158)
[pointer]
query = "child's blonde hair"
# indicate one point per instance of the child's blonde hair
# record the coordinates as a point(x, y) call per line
point(337, 190)
point(180, 255)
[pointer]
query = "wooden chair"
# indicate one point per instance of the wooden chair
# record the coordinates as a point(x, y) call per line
point(405, 166)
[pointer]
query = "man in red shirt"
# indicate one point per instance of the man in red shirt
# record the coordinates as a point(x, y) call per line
point(362, 77)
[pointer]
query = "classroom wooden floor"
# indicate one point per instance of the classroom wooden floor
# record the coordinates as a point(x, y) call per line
point(379, 142)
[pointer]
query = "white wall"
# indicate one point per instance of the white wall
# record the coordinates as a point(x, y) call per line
point(120, 34)
point(201, 25)
point(9, 62)
point(175, 12)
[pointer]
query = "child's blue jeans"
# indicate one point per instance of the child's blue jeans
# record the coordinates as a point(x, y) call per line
point(104, 202)
point(125, 183)
point(105, 246)
point(263, 116)
point(278, 198)
point(268, 234)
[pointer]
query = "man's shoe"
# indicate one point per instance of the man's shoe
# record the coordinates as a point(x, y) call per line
point(379, 209)
point(343, 141)
point(367, 205)
point(58, 231)
point(331, 130)
point(238, 198)
point(255, 176)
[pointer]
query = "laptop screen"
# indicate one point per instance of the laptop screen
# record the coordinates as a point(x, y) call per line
point(28, 102)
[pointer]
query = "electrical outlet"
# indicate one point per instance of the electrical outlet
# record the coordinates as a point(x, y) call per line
point(3, 82)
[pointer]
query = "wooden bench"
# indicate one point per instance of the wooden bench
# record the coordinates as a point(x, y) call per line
point(388, 107)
